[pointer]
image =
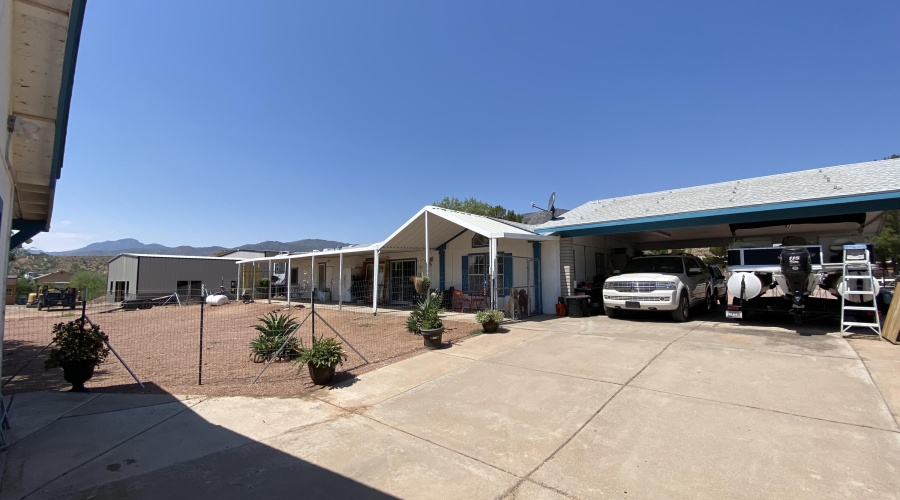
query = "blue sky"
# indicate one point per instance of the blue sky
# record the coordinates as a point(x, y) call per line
point(223, 123)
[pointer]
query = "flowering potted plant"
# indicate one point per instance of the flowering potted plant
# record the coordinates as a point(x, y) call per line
point(490, 319)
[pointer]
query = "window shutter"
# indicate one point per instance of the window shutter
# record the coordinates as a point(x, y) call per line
point(507, 274)
point(465, 273)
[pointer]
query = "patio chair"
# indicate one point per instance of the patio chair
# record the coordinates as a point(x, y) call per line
point(460, 301)
point(478, 301)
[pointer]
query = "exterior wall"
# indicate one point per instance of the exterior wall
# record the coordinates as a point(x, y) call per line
point(122, 268)
point(246, 254)
point(160, 274)
point(550, 275)
point(6, 185)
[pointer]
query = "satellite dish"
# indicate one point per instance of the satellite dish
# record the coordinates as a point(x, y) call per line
point(550, 207)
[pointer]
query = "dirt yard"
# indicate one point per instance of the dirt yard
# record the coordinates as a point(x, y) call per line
point(162, 347)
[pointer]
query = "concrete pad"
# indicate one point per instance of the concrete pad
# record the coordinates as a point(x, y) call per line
point(641, 327)
point(393, 461)
point(887, 377)
point(32, 411)
point(70, 442)
point(652, 445)
point(869, 349)
point(389, 381)
point(506, 416)
point(350, 457)
point(213, 426)
point(490, 343)
point(105, 402)
point(817, 342)
point(834, 389)
point(587, 356)
point(531, 491)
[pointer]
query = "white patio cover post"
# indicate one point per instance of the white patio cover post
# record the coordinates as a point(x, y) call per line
point(237, 292)
point(288, 271)
point(493, 273)
point(270, 281)
point(375, 285)
point(427, 270)
point(312, 274)
point(341, 281)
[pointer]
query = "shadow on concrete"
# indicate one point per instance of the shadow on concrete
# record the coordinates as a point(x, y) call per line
point(120, 446)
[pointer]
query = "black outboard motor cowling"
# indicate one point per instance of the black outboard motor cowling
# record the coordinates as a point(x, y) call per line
point(796, 266)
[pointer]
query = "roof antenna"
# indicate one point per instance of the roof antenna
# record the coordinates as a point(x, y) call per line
point(550, 207)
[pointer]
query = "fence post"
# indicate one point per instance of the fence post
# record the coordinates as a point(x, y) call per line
point(200, 365)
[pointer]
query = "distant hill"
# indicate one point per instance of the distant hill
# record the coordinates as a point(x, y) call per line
point(131, 245)
point(42, 263)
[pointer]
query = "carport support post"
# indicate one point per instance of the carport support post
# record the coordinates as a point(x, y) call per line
point(375, 285)
point(238, 291)
point(341, 281)
point(493, 273)
point(427, 270)
point(312, 273)
point(289, 283)
point(270, 281)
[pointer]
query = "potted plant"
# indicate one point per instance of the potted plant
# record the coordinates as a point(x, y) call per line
point(78, 351)
point(274, 330)
point(425, 319)
point(322, 356)
point(490, 319)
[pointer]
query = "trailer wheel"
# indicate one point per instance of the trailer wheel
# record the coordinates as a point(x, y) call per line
point(684, 309)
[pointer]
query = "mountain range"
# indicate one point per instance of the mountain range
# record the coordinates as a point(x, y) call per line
point(131, 245)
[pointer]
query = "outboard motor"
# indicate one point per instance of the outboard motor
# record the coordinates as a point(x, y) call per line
point(796, 267)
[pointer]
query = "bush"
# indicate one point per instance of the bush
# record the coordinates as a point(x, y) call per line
point(489, 315)
point(77, 344)
point(426, 315)
point(323, 353)
point(273, 333)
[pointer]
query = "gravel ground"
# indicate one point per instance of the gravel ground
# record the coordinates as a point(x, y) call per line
point(162, 347)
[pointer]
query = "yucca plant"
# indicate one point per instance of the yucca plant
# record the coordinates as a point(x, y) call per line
point(274, 329)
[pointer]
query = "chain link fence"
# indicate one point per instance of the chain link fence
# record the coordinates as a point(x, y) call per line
point(182, 345)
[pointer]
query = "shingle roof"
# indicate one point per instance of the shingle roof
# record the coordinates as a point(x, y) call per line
point(806, 185)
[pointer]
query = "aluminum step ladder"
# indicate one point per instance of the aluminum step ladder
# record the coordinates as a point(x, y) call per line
point(856, 259)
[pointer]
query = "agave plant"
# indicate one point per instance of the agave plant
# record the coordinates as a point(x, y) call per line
point(274, 330)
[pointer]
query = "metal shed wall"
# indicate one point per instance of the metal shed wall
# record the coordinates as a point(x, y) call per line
point(122, 268)
point(161, 274)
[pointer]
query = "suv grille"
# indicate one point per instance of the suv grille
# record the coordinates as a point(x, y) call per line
point(634, 286)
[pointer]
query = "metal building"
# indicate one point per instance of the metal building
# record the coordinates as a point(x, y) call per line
point(133, 276)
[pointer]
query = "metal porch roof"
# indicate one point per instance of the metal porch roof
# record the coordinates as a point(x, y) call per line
point(445, 224)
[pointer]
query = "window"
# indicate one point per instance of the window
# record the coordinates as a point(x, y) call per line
point(479, 241)
point(189, 288)
point(479, 273)
point(8, 292)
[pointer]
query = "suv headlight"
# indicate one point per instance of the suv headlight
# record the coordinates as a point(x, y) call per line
point(607, 285)
point(665, 285)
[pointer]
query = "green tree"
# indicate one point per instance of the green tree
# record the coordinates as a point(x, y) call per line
point(95, 284)
point(887, 243)
point(473, 206)
point(717, 256)
point(23, 287)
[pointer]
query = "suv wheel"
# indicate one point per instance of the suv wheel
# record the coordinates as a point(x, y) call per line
point(710, 300)
point(724, 298)
point(684, 309)
point(612, 312)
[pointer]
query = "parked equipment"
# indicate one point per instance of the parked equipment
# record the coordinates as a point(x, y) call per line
point(49, 297)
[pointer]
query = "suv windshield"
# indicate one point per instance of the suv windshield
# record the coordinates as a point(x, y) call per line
point(655, 265)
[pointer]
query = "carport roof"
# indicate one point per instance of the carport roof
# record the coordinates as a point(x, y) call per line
point(854, 188)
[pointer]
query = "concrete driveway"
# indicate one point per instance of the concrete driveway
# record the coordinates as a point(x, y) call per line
point(548, 409)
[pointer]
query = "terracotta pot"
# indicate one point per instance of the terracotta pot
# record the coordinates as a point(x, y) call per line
point(77, 374)
point(433, 338)
point(321, 376)
point(490, 327)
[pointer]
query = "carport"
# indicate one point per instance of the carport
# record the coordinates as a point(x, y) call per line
point(846, 201)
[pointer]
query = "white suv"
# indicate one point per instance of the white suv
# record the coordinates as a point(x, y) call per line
point(660, 283)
